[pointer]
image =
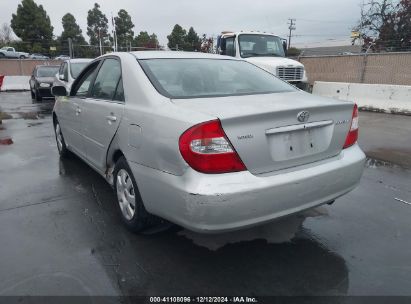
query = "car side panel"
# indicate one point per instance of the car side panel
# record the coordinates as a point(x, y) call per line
point(69, 114)
point(100, 123)
point(151, 125)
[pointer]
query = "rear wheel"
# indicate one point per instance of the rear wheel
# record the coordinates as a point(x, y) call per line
point(132, 210)
point(22, 57)
point(61, 144)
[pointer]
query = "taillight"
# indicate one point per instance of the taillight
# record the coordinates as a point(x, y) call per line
point(352, 135)
point(206, 148)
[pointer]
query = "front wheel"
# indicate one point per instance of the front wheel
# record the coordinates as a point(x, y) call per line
point(61, 144)
point(132, 210)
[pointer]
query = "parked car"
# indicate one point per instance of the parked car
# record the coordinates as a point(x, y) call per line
point(69, 71)
point(62, 57)
point(10, 52)
point(39, 56)
point(41, 81)
point(209, 142)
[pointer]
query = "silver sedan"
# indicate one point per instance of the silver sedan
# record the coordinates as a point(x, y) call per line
point(208, 142)
point(69, 70)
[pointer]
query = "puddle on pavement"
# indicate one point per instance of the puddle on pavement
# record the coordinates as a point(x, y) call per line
point(376, 163)
point(280, 231)
point(33, 124)
point(31, 111)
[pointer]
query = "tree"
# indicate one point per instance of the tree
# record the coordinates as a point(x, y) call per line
point(177, 38)
point(385, 25)
point(124, 28)
point(154, 44)
point(144, 40)
point(193, 41)
point(402, 26)
point(32, 24)
point(72, 30)
point(293, 52)
point(207, 44)
point(6, 34)
point(97, 26)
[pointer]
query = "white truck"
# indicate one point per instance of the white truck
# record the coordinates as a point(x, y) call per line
point(266, 51)
point(10, 52)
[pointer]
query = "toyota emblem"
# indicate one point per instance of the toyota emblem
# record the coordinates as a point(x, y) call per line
point(303, 116)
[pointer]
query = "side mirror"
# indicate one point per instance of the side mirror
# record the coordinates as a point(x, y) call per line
point(61, 77)
point(285, 46)
point(58, 91)
point(223, 46)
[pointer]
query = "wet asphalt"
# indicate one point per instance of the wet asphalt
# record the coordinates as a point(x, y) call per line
point(60, 232)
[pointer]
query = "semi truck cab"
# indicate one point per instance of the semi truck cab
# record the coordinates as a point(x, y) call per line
point(266, 51)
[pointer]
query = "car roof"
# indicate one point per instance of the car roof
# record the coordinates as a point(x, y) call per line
point(79, 60)
point(176, 55)
point(248, 33)
point(47, 66)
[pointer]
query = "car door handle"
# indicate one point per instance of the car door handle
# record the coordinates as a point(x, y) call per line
point(111, 118)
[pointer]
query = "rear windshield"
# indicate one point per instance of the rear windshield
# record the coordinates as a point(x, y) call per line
point(191, 78)
point(50, 71)
point(76, 68)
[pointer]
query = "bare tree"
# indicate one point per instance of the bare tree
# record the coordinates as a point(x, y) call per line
point(6, 34)
point(207, 44)
point(375, 14)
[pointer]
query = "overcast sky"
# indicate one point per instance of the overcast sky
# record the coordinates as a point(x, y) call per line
point(319, 22)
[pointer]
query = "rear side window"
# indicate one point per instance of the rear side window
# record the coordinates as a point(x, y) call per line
point(76, 68)
point(191, 78)
point(107, 80)
point(119, 96)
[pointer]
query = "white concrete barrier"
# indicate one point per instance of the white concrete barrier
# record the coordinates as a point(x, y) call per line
point(374, 97)
point(15, 83)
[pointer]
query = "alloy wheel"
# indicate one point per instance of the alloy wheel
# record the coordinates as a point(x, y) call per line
point(125, 194)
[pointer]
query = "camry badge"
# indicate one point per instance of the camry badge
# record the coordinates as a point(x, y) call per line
point(303, 116)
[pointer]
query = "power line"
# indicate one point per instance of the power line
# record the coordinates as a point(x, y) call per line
point(325, 21)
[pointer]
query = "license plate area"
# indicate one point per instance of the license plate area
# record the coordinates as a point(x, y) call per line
point(300, 141)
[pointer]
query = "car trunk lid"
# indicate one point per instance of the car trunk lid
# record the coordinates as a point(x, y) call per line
point(266, 133)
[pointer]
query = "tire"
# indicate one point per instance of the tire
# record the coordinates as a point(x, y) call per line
point(61, 144)
point(136, 218)
point(37, 96)
point(22, 57)
point(2, 55)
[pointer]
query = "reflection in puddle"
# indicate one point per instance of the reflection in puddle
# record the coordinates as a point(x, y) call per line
point(280, 231)
point(375, 163)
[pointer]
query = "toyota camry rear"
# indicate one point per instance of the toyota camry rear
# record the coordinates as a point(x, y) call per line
point(217, 144)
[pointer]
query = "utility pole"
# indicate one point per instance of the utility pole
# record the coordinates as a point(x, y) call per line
point(70, 43)
point(99, 39)
point(292, 28)
point(114, 32)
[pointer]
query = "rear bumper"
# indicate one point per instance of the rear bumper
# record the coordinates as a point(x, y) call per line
point(218, 203)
